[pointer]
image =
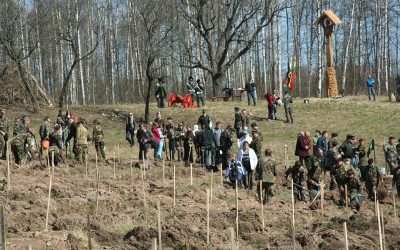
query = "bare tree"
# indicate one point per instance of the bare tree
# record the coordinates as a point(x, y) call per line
point(234, 33)
point(155, 30)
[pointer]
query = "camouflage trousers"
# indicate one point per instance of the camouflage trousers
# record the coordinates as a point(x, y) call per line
point(3, 146)
point(57, 155)
point(371, 189)
point(392, 164)
point(81, 153)
point(19, 153)
point(100, 149)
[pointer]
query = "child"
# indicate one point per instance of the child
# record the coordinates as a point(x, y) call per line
point(235, 172)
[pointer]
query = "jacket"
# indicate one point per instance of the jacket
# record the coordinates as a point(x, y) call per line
point(253, 158)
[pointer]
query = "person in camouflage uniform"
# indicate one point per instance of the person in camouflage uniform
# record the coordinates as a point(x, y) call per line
point(314, 178)
point(348, 149)
point(4, 128)
point(287, 104)
point(339, 176)
point(297, 172)
point(353, 189)
point(44, 132)
point(391, 154)
point(256, 144)
point(179, 139)
point(245, 118)
point(98, 139)
point(72, 133)
point(398, 147)
point(82, 141)
point(238, 123)
point(171, 139)
point(372, 177)
point(362, 152)
point(396, 178)
point(226, 143)
point(19, 140)
point(254, 127)
point(332, 157)
point(266, 172)
point(55, 148)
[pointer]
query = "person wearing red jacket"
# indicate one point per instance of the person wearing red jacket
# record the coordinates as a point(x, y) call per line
point(156, 140)
point(270, 101)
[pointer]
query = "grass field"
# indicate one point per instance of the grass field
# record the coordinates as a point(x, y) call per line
point(123, 222)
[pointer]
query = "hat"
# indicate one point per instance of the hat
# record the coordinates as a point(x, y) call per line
point(370, 161)
point(169, 118)
point(246, 132)
point(96, 121)
point(334, 134)
point(190, 78)
point(236, 108)
point(391, 138)
point(57, 126)
point(2, 111)
point(204, 111)
point(350, 137)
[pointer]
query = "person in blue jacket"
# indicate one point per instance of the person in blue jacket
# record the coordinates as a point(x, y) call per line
point(371, 87)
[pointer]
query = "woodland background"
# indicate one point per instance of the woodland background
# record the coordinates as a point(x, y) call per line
point(113, 51)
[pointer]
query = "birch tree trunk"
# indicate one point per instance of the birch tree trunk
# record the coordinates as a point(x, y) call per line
point(346, 53)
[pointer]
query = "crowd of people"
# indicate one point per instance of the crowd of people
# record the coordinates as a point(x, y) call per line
point(349, 165)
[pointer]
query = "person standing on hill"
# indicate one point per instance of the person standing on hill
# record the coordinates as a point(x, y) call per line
point(250, 88)
point(204, 120)
point(44, 132)
point(81, 145)
point(130, 126)
point(4, 127)
point(249, 160)
point(371, 87)
point(191, 87)
point(266, 172)
point(287, 104)
point(98, 139)
point(199, 90)
point(238, 124)
point(391, 154)
point(161, 94)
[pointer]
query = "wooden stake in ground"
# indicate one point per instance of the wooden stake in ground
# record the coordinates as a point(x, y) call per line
point(119, 154)
point(174, 188)
point(154, 244)
point(97, 186)
point(237, 209)
point(144, 190)
point(376, 205)
point(132, 174)
point(3, 228)
point(48, 201)
point(379, 227)
point(293, 228)
point(88, 230)
point(262, 206)
point(208, 216)
point(52, 165)
point(163, 170)
point(346, 196)
point(322, 194)
point(383, 229)
point(220, 172)
point(211, 184)
point(144, 166)
point(394, 207)
point(191, 174)
point(232, 231)
point(115, 166)
point(346, 243)
point(159, 225)
point(8, 166)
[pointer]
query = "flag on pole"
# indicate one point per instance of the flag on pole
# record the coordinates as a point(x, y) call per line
point(293, 74)
point(371, 147)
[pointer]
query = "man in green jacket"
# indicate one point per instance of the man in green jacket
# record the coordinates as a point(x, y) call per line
point(266, 172)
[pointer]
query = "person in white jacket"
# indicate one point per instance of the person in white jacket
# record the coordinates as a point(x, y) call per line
point(249, 160)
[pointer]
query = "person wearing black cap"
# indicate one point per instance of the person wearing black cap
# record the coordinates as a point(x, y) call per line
point(372, 177)
point(55, 148)
point(348, 149)
point(334, 137)
point(204, 120)
point(238, 123)
point(226, 143)
point(391, 154)
point(4, 128)
point(199, 90)
point(161, 93)
point(190, 87)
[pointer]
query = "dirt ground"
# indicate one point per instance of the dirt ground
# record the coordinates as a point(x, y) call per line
point(126, 214)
